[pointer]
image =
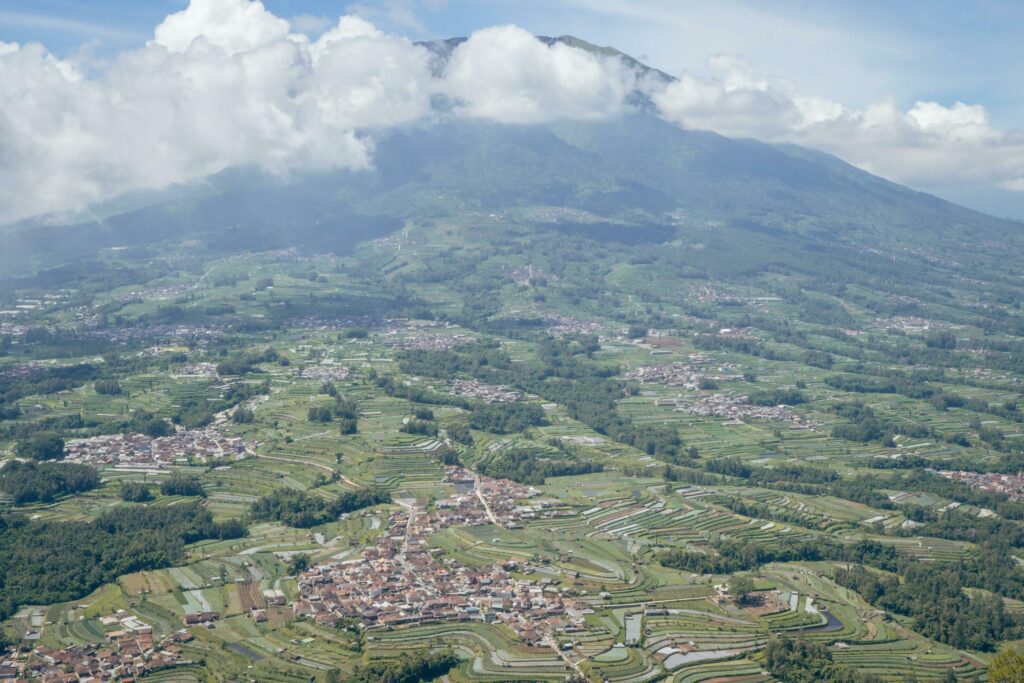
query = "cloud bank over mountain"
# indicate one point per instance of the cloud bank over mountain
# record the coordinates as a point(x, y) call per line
point(227, 83)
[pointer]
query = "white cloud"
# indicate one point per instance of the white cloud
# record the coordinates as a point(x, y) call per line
point(233, 25)
point(223, 83)
point(929, 145)
point(505, 74)
point(226, 83)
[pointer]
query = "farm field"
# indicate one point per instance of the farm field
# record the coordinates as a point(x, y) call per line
point(561, 489)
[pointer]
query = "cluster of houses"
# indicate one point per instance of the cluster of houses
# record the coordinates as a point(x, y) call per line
point(139, 450)
point(911, 324)
point(40, 302)
point(327, 373)
point(333, 324)
point(200, 369)
point(1010, 484)
point(427, 341)
point(11, 329)
point(401, 580)
point(489, 393)
point(560, 324)
point(161, 293)
point(170, 335)
point(709, 294)
point(735, 406)
point(129, 653)
point(687, 375)
point(426, 335)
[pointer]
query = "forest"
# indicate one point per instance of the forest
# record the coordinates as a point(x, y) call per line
point(30, 482)
point(48, 562)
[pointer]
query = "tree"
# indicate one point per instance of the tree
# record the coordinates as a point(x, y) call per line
point(135, 492)
point(1007, 667)
point(298, 564)
point(42, 446)
point(109, 387)
point(179, 484)
point(741, 587)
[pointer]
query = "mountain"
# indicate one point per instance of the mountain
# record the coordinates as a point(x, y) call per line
point(634, 178)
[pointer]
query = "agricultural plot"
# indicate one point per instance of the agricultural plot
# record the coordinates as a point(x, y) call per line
point(596, 541)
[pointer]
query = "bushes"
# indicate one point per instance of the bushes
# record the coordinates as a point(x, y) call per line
point(421, 427)
point(302, 510)
point(526, 467)
point(345, 409)
point(320, 414)
point(736, 556)
point(803, 661)
point(459, 434)
point(108, 387)
point(42, 446)
point(777, 397)
point(182, 485)
point(150, 425)
point(243, 416)
point(135, 492)
point(411, 668)
point(506, 418)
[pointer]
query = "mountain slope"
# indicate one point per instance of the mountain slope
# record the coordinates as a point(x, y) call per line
point(627, 173)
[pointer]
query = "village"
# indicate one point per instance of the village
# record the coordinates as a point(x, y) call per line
point(400, 580)
point(130, 653)
point(139, 450)
point(911, 324)
point(687, 375)
point(489, 393)
point(560, 324)
point(1010, 484)
point(735, 406)
point(427, 341)
point(327, 373)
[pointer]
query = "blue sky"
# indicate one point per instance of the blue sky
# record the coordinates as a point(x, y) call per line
point(877, 82)
point(856, 53)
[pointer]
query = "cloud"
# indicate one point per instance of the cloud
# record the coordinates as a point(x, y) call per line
point(227, 83)
point(505, 74)
point(232, 25)
point(929, 145)
point(223, 83)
